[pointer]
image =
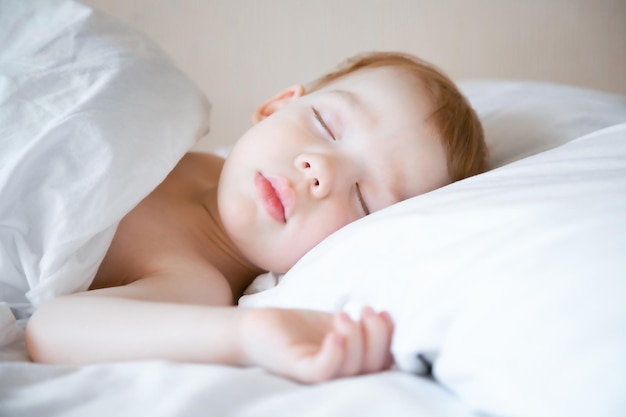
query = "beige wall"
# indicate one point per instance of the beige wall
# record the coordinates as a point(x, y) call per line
point(240, 52)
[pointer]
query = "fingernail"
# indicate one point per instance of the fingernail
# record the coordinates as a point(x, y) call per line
point(386, 316)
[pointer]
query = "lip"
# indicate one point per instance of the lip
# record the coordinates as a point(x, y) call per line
point(276, 196)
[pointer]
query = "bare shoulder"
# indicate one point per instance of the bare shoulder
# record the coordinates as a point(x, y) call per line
point(190, 281)
point(164, 235)
point(198, 166)
point(176, 280)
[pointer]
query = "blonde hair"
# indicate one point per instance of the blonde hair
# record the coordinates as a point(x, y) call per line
point(453, 118)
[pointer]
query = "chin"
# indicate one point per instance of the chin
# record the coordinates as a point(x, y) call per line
point(277, 265)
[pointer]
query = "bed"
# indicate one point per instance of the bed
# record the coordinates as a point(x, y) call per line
point(507, 288)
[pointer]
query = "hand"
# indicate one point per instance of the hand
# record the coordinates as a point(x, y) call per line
point(312, 346)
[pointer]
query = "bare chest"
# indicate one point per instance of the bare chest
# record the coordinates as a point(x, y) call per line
point(156, 233)
point(176, 231)
point(166, 228)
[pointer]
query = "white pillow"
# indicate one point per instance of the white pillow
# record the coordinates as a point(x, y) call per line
point(509, 284)
point(92, 118)
point(524, 118)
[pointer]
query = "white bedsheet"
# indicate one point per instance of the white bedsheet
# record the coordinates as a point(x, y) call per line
point(164, 389)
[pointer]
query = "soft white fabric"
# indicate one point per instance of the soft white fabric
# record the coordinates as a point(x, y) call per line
point(160, 389)
point(524, 118)
point(92, 117)
point(510, 284)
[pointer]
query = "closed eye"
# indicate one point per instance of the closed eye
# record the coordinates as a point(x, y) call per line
point(366, 209)
point(321, 121)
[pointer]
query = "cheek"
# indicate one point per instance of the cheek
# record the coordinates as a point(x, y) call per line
point(331, 223)
point(320, 226)
point(275, 129)
point(270, 246)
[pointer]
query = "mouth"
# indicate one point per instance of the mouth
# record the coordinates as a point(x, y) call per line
point(276, 196)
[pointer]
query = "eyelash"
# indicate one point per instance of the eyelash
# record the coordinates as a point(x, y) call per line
point(321, 121)
point(366, 210)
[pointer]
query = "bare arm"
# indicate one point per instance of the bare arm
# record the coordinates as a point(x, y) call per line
point(96, 328)
point(156, 318)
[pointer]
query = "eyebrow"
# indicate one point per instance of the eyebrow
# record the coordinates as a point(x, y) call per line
point(352, 99)
point(358, 107)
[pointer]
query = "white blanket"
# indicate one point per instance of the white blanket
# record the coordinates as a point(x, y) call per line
point(92, 117)
point(159, 389)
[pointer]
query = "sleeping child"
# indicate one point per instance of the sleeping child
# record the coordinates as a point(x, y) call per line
point(382, 128)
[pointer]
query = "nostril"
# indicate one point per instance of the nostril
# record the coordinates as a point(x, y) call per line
point(316, 182)
point(307, 165)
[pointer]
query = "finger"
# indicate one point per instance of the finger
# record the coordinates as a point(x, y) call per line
point(325, 364)
point(390, 325)
point(353, 354)
point(377, 340)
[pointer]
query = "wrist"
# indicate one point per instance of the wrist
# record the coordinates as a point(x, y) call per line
point(225, 336)
point(245, 326)
point(252, 333)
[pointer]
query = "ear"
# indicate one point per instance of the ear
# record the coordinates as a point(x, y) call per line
point(276, 102)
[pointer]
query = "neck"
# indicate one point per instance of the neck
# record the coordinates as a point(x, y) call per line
point(221, 251)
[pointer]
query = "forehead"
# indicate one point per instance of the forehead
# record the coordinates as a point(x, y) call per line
point(391, 82)
point(391, 101)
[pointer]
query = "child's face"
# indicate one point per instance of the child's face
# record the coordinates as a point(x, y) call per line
point(316, 162)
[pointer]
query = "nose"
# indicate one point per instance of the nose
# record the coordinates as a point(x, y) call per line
point(319, 171)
